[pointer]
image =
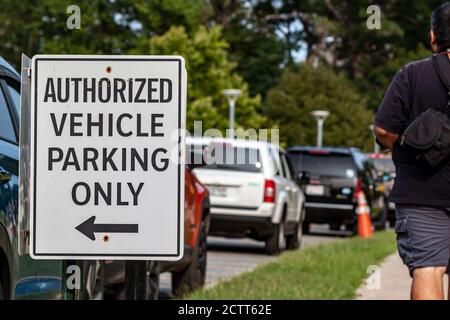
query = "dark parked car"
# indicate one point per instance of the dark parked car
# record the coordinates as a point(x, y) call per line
point(331, 178)
point(20, 276)
point(386, 169)
point(190, 272)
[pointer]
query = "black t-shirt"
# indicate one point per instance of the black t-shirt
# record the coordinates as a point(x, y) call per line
point(414, 89)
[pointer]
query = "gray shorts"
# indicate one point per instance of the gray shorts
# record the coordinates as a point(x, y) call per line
point(423, 236)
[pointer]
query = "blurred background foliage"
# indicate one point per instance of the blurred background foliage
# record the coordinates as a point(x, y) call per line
point(288, 56)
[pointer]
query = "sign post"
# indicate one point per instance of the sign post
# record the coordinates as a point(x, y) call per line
point(135, 272)
point(107, 157)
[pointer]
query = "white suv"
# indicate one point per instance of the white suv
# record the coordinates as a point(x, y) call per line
point(252, 190)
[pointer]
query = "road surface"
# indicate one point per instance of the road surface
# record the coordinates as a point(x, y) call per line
point(228, 258)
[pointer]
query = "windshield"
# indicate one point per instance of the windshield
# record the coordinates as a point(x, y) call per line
point(224, 157)
point(335, 165)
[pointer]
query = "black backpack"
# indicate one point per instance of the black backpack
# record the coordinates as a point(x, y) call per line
point(429, 133)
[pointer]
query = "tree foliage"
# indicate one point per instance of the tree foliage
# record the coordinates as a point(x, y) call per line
point(209, 72)
point(305, 89)
point(245, 44)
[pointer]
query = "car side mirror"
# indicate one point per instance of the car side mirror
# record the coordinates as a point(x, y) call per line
point(303, 177)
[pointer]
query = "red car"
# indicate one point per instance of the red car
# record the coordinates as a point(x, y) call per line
point(189, 273)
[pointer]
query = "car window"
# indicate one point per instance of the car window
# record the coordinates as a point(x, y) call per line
point(275, 159)
point(224, 157)
point(283, 166)
point(324, 164)
point(360, 159)
point(372, 170)
point(286, 170)
point(290, 167)
point(278, 163)
point(6, 125)
point(15, 95)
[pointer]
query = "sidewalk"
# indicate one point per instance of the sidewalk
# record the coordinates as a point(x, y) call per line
point(395, 282)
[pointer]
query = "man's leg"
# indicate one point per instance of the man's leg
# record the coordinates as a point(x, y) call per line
point(448, 283)
point(423, 240)
point(428, 283)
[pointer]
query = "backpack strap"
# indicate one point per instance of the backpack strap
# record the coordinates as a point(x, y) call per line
point(442, 65)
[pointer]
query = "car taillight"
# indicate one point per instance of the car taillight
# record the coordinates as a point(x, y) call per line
point(357, 188)
point(269, 191)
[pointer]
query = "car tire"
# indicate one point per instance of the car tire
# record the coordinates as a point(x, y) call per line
point(194, 275)
point(277, 242)
point(94, 280)
point(381, 223)
point(306, 227)
point(294, 240)
point(352, 227)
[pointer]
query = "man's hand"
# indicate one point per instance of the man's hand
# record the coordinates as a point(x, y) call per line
point(386, 138)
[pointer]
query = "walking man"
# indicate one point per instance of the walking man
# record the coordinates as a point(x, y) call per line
point(421, 194)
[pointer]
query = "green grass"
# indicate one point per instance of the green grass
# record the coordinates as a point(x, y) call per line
point(327, 271)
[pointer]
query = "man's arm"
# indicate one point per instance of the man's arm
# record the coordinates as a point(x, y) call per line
point(393, 113)
point(386, 138)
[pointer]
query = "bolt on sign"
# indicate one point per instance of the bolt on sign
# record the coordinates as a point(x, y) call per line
point(107, 157)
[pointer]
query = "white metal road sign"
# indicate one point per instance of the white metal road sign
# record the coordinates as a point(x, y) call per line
point(107, 157)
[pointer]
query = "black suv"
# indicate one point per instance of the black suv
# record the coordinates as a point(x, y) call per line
point(331, 179)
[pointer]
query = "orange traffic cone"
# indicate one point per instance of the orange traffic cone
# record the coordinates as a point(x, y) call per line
point(363, 212)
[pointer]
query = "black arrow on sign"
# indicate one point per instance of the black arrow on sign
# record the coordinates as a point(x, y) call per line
point(88, 228)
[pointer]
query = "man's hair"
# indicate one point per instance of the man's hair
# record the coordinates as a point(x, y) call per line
point(440, 24)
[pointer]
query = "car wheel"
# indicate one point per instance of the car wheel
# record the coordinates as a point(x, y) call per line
point(352, 227)
point(294, 241)
point(277, 242)
point(381, 223)
point(306, 227)
point(94, 280)
point(194, 275)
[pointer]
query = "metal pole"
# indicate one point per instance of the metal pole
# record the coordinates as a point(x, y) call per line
point(135, 280)
point(376, 147)
point(68, 294)
point(319, 132)
point(232, 104)
point(71, 294)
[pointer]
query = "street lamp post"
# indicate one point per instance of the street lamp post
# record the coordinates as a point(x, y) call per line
point(232, 95)
point(376, 147)
point(320, 116)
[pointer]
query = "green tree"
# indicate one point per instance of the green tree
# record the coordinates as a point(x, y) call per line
point(209, 72)
point(257, 51)
point(155, 17)
point(377, 78)
point(107, 26)
point(30, 28)
point(305, 89)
